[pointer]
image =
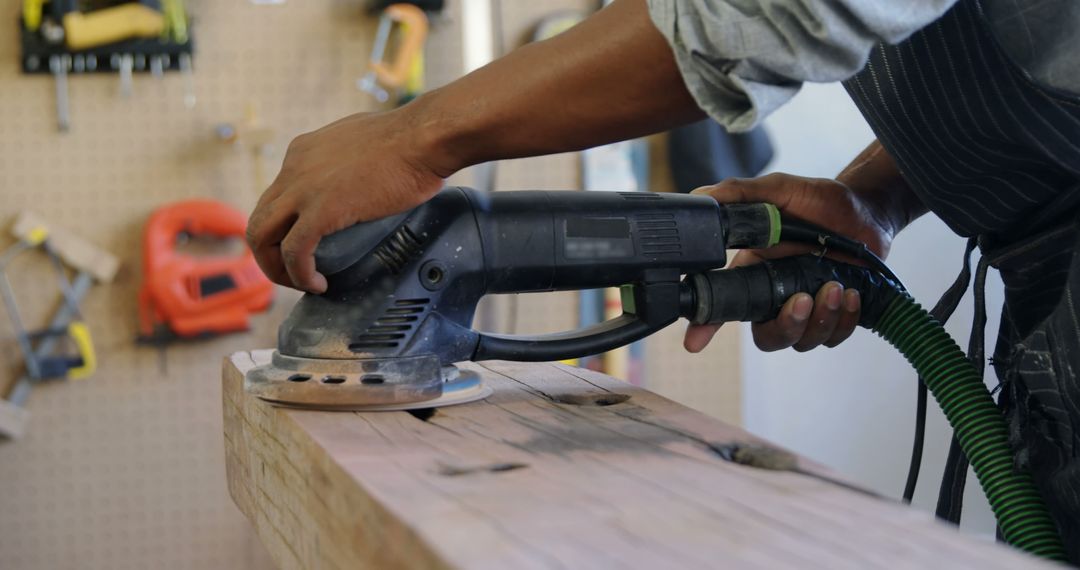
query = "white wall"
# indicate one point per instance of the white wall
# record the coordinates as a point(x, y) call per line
point(853, 407)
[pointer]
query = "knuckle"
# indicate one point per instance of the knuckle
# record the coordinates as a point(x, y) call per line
point(776, 177)
point(252, 235)
point(289, 252)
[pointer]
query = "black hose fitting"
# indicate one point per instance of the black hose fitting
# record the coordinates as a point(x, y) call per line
point(755, 293)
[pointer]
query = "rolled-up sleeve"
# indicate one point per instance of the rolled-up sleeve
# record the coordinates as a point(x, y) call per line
point(742, 59)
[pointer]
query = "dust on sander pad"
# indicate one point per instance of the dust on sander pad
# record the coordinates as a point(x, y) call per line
point(382, 384)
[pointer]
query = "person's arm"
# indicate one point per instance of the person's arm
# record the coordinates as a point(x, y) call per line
point(875, 178)
point(868, 201)
point(610, 78)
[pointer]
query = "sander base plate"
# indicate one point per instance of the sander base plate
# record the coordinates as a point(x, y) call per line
point(383, 384)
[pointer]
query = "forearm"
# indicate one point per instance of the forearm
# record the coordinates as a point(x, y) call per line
point(874, 177)
point(610, 78)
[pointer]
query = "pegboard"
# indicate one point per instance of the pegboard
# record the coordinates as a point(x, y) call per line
point(125, 469)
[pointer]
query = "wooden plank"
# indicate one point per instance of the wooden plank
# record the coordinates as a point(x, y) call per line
point(74, 250)
point(559, 468)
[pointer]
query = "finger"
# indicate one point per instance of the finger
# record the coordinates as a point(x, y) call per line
point(849, 318)
point(266, 228)
point(698, 337)
point(269, 223)
point(298, 254)
point(273, 192)
point(824, 317)
point(786, 329)
point(271, 264)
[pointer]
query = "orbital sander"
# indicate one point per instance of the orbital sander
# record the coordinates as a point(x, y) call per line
point(402, 291)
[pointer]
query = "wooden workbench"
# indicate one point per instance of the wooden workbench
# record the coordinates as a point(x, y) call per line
point(557, 469)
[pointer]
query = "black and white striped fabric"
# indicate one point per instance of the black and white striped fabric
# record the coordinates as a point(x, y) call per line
point(997, 155)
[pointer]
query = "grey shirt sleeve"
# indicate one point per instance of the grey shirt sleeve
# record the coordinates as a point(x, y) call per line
point(742, 59)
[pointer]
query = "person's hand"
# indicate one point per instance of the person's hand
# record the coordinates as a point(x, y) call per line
point(804, 322)
point(360, 168)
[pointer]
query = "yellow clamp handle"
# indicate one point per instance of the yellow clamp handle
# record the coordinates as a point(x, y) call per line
point(414, 29)
point(36, 236)
point(80, 334)
point(31, 14)
point(109, 25)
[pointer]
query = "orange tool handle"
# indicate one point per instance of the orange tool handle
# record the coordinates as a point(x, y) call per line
point(413, 28)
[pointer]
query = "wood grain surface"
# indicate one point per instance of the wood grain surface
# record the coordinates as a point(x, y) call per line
point(559, 468)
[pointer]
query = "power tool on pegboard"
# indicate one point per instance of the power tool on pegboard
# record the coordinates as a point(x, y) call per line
point(188, 296)
point(72, 37)
point(396, 64)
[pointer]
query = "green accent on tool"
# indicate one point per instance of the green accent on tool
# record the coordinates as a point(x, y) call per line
point(626, 295)
point(774, 224)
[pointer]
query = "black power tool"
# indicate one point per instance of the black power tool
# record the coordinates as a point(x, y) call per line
point(403, 290)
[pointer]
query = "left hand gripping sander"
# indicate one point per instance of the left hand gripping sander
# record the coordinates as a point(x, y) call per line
point(402, 290)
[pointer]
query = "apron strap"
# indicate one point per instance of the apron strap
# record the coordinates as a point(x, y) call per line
point(944, 309)
point(951, 493)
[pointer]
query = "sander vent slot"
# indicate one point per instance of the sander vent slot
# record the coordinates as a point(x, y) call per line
point(362, 346)
point(394, 320)
point(388, 328)
point(658, 234)
point(392, 327)
point(399, 249)
point(404, 310)
point(380, 337)
point(640, 196)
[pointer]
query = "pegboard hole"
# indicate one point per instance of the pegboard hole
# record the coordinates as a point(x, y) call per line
point(333, 380)
point(299, 378)
point(372, 379)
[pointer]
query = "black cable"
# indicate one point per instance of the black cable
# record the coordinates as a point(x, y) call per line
point(917, 444)
point(803, 232)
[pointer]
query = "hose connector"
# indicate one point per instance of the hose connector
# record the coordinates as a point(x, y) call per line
point(752, 226)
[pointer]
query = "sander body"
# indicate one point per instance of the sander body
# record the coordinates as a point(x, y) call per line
point(402, 290)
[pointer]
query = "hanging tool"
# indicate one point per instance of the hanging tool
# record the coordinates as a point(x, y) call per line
point(85, 30)
point(189, 296)
point(58, 66)
point(403, 290)
point(42, 362)
point(403, 74)
point(66, 37)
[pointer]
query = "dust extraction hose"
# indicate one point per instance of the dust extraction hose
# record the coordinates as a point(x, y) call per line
point(1021, 513)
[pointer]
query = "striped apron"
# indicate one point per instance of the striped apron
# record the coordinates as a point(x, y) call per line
point(997, 157)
